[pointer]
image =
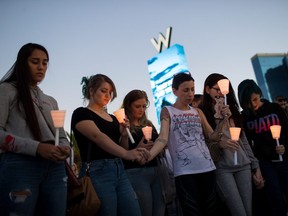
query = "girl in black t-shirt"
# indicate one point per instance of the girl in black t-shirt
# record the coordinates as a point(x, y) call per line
point(93, 125)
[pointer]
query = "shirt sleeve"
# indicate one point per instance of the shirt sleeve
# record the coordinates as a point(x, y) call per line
point(9, 141)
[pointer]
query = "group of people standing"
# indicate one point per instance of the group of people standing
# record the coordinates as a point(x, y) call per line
point(124, 173)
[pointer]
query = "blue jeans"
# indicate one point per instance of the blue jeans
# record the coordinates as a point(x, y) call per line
point(146, 184)
point(113, 188)
point(276, 185)
point(32, 186)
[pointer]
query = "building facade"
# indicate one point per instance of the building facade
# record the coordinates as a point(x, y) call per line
point(271, 71)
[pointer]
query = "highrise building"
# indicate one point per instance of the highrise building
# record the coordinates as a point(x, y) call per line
point(271, 71)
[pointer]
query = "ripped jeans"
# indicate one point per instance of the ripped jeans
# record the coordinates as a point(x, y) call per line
point(31, 186)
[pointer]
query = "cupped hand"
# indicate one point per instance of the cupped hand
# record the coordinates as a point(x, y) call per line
point(52, 152)
point(280, 149)
point(225, 111)
point(65, 152)
point(123, 125)
point(228, 144)
point(147, 145)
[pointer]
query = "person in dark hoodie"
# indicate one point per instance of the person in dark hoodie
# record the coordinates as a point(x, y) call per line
point(258, 115)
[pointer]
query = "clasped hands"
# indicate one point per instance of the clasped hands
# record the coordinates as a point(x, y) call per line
point(258, 179)
point(141, 154)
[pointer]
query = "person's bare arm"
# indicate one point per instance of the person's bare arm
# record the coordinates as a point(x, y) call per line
point(216, 135)
point(162, 139)
point(89, 129)
point(209, 133)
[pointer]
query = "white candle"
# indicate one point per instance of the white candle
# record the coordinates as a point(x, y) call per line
point(58, 117)
point(224, 88)
point(147, 131)
point(57, 137)
point(235, 133)
point(235, 158)
point(280, 156)
point(120, 115)
point(276, 131)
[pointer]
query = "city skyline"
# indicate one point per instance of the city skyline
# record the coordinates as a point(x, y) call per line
point(271, 71)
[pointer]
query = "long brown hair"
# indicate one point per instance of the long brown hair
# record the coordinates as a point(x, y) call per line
point(132, 96)
point(207, 103)
point(20, 75)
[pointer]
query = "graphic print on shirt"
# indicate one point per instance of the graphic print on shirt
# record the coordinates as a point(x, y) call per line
point(263, 124)
point(190, 138)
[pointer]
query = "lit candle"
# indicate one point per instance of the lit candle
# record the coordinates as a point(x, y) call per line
point(235, 133)
point(276, 131)
point(147, 131)
point(58, 117)
point(224, 88)
point(120, 115)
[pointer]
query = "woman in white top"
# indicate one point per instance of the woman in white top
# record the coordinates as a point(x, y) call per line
point(184, 129)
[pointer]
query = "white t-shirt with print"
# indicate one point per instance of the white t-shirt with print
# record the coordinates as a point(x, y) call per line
point(186, 143)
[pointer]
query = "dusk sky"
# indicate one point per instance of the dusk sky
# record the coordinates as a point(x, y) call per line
point(113, 37)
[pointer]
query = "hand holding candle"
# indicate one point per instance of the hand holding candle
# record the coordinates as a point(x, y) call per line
point(276, 131)
point(147, 131)
point(224, 88)
point(235, 133)
point(58, 117)
point(120, 115)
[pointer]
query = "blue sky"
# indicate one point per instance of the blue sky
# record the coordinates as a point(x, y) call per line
point(113, 37)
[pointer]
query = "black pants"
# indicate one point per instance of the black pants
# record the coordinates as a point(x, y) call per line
point(197, 194)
